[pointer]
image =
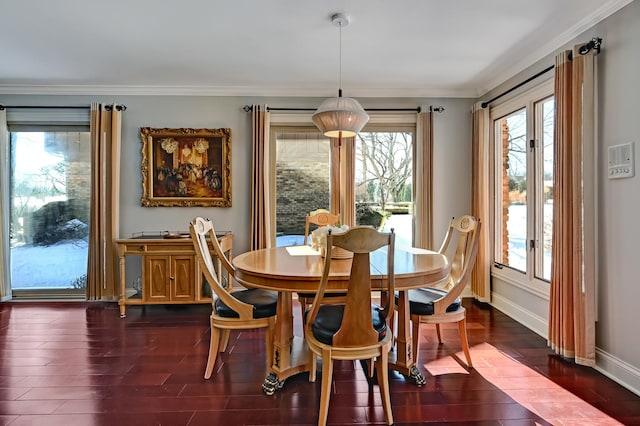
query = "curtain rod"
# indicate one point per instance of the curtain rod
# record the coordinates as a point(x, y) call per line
point(107, 107)
point(594, 44)
point(522, 83)
point(248, 108)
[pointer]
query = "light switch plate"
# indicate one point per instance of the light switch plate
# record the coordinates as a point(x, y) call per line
point(621, 161)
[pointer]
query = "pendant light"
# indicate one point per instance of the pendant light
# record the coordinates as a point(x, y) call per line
point(340, 117)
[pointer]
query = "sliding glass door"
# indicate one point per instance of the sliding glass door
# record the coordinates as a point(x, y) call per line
point(50, 192)
point(384, 180)
point(302, 175)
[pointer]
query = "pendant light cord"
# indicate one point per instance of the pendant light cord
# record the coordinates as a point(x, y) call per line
point(340, 64)
point(340, 88)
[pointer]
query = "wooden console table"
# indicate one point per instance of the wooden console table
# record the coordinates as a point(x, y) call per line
point(170, 270)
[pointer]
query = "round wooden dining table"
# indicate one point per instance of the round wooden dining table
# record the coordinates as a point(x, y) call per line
point(299, 268)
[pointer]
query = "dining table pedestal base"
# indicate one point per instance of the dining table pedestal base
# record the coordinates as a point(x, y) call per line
point(290, 353)
point(401, 360)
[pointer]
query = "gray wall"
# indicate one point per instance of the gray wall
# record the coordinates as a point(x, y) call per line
point(452, 154)
point(618, 121)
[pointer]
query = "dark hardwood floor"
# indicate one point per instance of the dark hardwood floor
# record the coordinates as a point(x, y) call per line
point(80, 364)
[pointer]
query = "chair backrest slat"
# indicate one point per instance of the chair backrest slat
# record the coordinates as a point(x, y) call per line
point(357, 329)
point(203, 233)
point(319, 217)
point(468, 229)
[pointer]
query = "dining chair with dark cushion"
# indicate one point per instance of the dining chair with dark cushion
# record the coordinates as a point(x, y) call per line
point(319, 217)
point(231, 310)
point(443, 305)
point(356, 329)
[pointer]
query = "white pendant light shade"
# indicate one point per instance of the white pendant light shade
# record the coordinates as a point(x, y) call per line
point(340, 117)
point(340, 114)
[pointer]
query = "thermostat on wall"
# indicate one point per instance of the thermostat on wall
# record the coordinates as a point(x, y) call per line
point(621, 161)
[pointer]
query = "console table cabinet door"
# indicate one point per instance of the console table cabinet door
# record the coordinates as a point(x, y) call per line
point(169, 278)
point(183, 282)
point(157, 278)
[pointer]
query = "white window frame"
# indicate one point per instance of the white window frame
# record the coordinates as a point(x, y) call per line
point(302, 120)
point(528, 99)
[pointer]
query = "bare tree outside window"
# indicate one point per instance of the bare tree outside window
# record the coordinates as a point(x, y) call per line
point(384, 181)
point(385, 160)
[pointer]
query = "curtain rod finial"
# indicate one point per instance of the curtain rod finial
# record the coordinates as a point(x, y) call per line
point(595, 44)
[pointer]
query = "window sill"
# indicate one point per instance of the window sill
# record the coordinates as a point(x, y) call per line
point(518, 279)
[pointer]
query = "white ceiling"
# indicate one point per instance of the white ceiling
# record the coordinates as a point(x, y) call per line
point(401, 48)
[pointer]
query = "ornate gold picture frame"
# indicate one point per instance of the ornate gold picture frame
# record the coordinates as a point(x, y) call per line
point(186, 167)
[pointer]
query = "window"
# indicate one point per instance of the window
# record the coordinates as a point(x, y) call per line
point(523, 140)
point(50, 197)
point(301, 175)
point(384, 180)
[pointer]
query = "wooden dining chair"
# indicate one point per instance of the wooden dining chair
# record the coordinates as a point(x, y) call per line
point(355, 330)
point(231, 310)
point(319, 217)
point(443, 305)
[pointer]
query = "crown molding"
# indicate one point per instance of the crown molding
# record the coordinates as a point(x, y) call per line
point(607, 9)
point(158, 90)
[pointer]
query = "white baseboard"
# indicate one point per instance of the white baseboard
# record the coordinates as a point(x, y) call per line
point(533, 322)
point(624, 374)
point(619, 371)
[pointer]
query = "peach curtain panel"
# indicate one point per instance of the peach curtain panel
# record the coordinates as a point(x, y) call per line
point(572, 295)
point(348, 186)
point(481, 201)
point(260, 233)
point(335, 154)
point(423, 178)
point(343, 165)
point(5, 290)
point(102, 275)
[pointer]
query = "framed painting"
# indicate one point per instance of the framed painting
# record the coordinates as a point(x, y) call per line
point(186, 167)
